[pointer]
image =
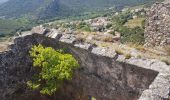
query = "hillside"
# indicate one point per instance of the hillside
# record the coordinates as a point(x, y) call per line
point(53, 8)
point(17, 8)
point(124, 72)
point(21, 15)
point(126, 53)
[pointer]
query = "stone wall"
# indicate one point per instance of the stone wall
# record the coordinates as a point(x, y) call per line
point(104, 74)
point(157, 32)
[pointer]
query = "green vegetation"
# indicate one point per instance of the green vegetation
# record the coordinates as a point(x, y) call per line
point(21, 15)
point(128, 56)
point(119, 51)
point(167, 61)
point(137, 22)
point(109, 25)
point(133, 35)
point(83, 26)
point(93, 98)
point(47, 9)
point(54, 68)
point(9, 27)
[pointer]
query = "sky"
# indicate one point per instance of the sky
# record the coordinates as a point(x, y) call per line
point(2, 1)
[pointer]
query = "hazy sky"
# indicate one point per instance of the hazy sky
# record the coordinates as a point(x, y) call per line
point(2, 1)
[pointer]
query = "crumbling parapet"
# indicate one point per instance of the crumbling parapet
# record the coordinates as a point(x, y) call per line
point(119, 77)
point(158, 89)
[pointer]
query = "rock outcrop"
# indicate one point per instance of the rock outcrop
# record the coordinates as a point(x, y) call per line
point(157, 32)
point(104, 74)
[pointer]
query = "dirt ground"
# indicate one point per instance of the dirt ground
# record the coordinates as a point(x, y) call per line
point(4, 46)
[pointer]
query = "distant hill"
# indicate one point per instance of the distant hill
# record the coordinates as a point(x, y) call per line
point(53, 8)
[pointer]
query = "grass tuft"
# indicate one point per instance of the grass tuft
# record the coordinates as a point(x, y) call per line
point(128, 56)
point(118, 51)
point(166, 61)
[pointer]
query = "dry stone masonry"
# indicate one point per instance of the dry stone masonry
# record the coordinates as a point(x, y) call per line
point(104, 74)
point(157, 31)
point(118, 78)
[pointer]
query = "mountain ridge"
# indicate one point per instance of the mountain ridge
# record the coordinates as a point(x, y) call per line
point(52, 8)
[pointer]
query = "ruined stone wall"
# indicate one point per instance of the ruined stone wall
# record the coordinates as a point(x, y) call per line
point(104, 74)
point(157, 32)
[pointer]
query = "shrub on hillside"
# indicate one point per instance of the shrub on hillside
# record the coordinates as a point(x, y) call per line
point(133, 35)
point(84, 27)
point(109, 25)
point(143, 24)
point(123, 18)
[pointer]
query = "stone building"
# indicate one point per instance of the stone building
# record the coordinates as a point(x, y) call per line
point(157, 32)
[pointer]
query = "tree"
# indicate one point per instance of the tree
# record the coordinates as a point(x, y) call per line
point(54, 68)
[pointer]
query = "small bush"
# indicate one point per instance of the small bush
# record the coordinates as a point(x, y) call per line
point(109, 25)
point(112, 32)
point(93, 98)
point(128, 56)
point(134, 35)
point(166, 61)
point(83, 26)
point(143, 24)
point(54, 67)
point(86, 28)
point(139, 56)
point(118, 51)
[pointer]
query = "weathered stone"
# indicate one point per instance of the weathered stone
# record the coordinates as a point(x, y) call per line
point(121, 58)
point(104, 52)
point(157, 32)
point(159, 89)
point(85, 46)
point(134, 53)
point(116, 80)
point(68, 38)
point(38, 29)
point(54, 34)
